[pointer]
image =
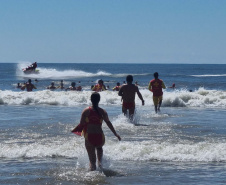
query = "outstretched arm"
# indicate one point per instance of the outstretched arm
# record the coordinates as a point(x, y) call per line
point(163, 85)
point(110, 126)
point(150, 87)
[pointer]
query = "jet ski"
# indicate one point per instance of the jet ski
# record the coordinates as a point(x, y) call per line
point(31, 69)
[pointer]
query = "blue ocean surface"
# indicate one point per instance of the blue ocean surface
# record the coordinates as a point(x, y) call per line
point(184, 144)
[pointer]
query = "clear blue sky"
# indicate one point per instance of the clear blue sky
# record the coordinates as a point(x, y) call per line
point(113, 31)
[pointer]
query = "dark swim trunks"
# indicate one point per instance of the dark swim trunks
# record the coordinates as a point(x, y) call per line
point(128, 105)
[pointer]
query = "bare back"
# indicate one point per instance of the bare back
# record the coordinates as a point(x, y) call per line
point(128, 92)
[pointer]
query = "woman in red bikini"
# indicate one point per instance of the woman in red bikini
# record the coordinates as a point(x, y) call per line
point(91, 124)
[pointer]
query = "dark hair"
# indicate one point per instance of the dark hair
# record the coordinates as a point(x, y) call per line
point(129, 78)
point(100, 81)
point(95, 99)
point(29, 80)
point(156, 74)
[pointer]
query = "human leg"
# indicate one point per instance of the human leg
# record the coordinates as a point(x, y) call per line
point(131, 113)
point(159, 102)
point(92, 155)
point(124, 110)
point(155, 101)
point(99, 156)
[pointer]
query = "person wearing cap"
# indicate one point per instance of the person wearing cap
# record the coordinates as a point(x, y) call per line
point(29, 86)
point(156, 85)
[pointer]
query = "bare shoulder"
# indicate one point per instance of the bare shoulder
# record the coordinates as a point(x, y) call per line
point(102, 111)
point(123, 86)
point(137, 89)
point(85, 111)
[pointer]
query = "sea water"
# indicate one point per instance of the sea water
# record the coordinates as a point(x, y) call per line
point(185, 143)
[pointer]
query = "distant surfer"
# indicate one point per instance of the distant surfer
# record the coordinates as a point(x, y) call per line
point(28, 86)
point(128, 93)
point(117, 87)
point(91, 128)
point(99, 87)
point(156, 85)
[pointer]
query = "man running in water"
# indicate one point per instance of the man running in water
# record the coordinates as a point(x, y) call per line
point(128, 93)
point(29, 86)
point(156, 85)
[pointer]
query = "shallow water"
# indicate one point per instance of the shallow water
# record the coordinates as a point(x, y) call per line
point(185, 143)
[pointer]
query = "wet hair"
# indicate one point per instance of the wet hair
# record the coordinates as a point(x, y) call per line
point(156, 75)
point(100, 81)
point(72, 83)
point(29, 80)
point(129, 78)
point(95, 99)
point(118, 84)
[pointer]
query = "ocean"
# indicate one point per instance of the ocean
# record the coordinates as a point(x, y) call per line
point(183, 144)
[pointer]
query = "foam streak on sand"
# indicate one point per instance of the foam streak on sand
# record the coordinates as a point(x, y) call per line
point(183, 98)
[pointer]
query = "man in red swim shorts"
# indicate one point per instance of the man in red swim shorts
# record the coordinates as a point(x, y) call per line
point(156, 85)
point(128, 93)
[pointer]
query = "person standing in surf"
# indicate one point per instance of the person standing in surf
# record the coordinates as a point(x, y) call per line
point(91, 127)
point(128, 93)
point(29, 86)
point(99, 87)
point(156, 85)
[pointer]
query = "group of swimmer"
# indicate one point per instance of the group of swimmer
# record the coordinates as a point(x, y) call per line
point(90, 125)
point(30, 86)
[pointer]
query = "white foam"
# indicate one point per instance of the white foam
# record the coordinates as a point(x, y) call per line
point(209, 75)
point(147, 150)
point(51, 73)
point(182, 98)
point(151, 150)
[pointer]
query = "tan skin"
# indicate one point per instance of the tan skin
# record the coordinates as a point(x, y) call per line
point(29, 86)
point(96, 129)
point(128, 93)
